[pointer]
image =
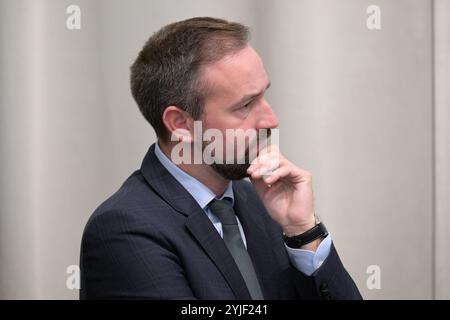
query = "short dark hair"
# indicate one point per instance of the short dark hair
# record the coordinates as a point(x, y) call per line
point(167, 70)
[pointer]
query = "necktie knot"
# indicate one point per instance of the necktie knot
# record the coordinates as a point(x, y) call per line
point(224, 211)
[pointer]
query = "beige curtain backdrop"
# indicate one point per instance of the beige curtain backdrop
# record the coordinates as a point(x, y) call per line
point(366, 111)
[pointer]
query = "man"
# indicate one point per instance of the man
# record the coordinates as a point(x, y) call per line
point(196, 230)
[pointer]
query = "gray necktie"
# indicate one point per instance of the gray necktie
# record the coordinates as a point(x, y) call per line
point(223, 209)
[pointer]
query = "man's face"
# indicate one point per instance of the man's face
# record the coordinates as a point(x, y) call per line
point(237, 84)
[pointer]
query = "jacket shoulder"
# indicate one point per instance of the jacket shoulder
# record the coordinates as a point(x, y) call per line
point(134, 201)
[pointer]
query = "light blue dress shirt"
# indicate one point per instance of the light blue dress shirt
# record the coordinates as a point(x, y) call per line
point(305, 261)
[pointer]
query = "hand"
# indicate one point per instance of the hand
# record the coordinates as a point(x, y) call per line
point(285, 190)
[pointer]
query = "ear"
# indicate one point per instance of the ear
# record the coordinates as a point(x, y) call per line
point(179, 124)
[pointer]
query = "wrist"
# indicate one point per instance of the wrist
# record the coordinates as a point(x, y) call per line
point(297, 229)
point(311, 237)
point(312, 246)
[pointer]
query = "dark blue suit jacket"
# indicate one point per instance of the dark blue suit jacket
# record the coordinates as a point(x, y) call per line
point(151, 240)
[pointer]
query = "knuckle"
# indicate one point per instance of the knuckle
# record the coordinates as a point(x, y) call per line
point(307, 175)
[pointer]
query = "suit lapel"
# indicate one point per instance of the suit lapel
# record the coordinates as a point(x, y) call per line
point(197, 222)
point(202, 229)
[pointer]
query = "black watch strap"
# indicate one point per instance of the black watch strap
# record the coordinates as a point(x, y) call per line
point(306, 237)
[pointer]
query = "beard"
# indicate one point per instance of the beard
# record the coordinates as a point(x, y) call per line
point(238, 171)
point(232, 171)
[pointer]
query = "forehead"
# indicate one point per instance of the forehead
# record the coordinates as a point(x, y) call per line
point(236, 75)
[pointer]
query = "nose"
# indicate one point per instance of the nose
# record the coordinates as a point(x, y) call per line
point(267, 119)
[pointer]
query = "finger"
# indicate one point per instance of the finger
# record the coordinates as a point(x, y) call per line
point(277, 174)
point(271, 160)
point(261, 170)
point(260, 185)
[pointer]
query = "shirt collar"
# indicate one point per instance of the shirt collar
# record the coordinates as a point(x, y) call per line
point(201, 193)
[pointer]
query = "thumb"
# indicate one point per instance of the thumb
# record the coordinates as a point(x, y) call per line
point(260, 186)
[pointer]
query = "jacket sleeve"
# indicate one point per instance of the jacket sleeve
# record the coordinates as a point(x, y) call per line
point(329, 282)
point(123, 259)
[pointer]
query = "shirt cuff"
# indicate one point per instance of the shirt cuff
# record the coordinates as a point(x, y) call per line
point(308, 261)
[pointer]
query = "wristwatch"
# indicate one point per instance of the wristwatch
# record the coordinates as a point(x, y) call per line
point(306, 237)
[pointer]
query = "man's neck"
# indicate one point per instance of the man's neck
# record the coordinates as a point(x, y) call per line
point(202, 172)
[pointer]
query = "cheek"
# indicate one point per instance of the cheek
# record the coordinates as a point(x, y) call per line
point(212, 124)
point(228, 120)
point(220, 122)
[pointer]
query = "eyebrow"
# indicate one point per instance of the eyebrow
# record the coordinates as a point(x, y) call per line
point(251, 96)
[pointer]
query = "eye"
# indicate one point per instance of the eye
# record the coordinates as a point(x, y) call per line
point(246, 105)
